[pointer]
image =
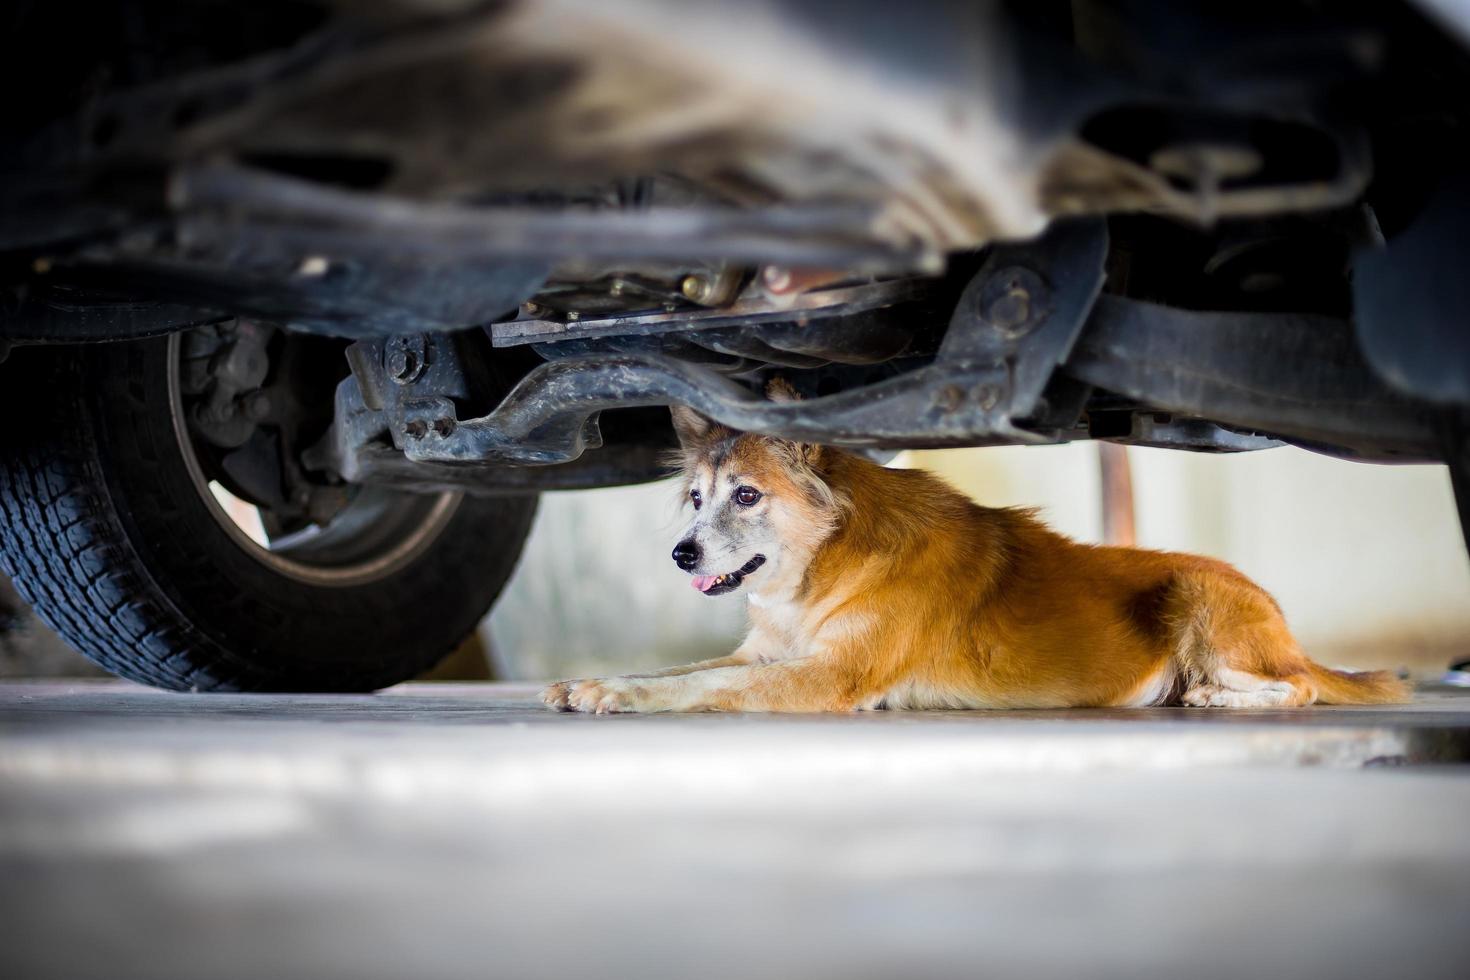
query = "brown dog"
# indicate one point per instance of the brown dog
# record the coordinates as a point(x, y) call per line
point(878, 588)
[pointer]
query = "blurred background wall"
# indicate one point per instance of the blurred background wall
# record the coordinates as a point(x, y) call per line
point(29, 649)
point(1367, 561)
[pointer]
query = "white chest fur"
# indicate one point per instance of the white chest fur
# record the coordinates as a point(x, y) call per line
point(779, 619)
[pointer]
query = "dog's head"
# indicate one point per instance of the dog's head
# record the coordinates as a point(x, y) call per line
point(761, 506)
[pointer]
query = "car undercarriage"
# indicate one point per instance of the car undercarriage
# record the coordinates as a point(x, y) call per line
point(474, 248)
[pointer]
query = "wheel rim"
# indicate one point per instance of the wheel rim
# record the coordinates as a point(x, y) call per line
point(377, 533)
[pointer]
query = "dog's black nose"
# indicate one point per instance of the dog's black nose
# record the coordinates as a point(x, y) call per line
point(686, 554)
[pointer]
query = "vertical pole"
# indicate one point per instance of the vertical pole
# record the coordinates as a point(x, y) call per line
point(1117, 494)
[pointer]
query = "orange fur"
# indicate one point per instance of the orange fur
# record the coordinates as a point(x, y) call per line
point(906, 594)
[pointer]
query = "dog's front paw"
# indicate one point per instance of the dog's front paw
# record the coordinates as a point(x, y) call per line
point(554, 696)
point(604, 696)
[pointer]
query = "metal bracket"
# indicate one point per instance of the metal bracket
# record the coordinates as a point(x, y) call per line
point(1018, 320)
point(1023, 312)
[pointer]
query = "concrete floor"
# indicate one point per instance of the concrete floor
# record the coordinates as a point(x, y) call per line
point(461, 831)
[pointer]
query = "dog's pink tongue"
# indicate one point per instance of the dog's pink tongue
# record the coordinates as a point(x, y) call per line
point(703, 582)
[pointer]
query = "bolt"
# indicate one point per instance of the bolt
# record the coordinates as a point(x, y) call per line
point(416, 429)
point(617, 287)
point(1011, 308)
point(1012, 300)
point(697, 289)
point(573, 316)
point(444, 427)
point(531, 309)
point(401, 365)
point(776, 279)
point(670, 307)
point(41, 266)
point(950, 398)
point(987, 397)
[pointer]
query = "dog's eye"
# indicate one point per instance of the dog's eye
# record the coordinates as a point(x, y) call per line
point(694, 496)
point(745, 496)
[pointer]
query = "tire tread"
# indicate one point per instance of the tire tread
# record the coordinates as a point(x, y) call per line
point(67, 550)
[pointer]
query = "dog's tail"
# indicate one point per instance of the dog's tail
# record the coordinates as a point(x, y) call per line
point(1367, 687)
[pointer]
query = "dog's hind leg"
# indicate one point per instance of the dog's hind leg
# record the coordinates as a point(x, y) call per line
point(1232, 648)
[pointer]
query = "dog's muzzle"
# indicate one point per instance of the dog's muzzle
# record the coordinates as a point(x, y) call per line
point(730, 581)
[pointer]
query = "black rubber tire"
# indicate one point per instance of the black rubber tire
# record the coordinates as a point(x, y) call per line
point(104, 533)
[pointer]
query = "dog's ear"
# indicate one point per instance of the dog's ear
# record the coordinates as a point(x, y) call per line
point(778, 389)
point(694, 430)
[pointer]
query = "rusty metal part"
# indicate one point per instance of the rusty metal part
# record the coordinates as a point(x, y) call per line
point(1013, 300)
point(405, 357)
point(744, 312)
point(782, 283)
point(223, 370)
point(990, 380)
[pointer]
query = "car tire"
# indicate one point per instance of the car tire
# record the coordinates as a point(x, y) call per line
point(105, 532)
